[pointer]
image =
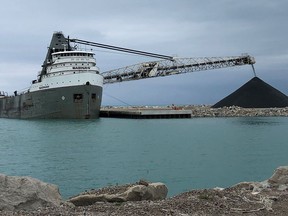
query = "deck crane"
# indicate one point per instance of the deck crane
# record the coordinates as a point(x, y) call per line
point(168, 66)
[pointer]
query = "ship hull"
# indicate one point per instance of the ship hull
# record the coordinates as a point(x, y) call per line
point(72, 102)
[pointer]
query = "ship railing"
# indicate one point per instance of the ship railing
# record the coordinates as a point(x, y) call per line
point(22, 91)
point(69, 72)
point(3, 94)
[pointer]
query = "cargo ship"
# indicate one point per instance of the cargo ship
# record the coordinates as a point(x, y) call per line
point(68, 86)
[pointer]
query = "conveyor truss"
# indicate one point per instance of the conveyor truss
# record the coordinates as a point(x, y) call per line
point(169, 66)
point(173, 67)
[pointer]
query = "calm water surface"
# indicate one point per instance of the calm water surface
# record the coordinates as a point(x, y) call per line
point(183, 153)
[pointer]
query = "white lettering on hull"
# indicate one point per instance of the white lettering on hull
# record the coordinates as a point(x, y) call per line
point(66, 80)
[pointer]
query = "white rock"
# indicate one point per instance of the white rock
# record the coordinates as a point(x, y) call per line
point(153, 191)
point(280, 176)
point(26, 193)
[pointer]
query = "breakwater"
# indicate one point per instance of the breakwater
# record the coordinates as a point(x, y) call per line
point(205, 110)
point(235, 111)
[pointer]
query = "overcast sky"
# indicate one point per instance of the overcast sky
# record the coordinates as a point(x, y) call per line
point(183, 28)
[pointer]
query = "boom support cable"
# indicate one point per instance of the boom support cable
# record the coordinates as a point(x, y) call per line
point(122, 49)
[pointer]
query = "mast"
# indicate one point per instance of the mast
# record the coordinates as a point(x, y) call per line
point(57, 44)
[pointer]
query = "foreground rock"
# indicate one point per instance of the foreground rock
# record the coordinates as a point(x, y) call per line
point(280, 177)
point(269, 197)
point(146, 191)
point(26, 193)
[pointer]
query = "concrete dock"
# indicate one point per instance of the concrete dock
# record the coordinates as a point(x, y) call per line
point(144, 113)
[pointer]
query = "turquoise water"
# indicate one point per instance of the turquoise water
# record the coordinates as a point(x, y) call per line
point(183, 153)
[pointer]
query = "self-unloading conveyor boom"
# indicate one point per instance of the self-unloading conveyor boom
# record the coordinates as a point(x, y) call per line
point(176, 66)
point(169, 66)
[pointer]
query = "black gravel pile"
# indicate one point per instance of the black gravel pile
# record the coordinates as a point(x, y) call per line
point(254, 94)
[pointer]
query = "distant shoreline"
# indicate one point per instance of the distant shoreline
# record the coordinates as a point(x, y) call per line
point(208, 111)
point(234, 111)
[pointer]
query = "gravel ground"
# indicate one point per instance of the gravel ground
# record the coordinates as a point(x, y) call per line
point(236, 200)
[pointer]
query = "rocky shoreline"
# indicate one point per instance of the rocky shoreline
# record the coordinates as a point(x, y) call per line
point(235, 111)
point(208, 111)
point(269, 197)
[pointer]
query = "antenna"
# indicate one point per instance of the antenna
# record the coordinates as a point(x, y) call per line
point(64, 45)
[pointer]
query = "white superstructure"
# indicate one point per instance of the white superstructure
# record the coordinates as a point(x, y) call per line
point(69, 68)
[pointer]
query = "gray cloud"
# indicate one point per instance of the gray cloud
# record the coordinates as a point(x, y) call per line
point(185, 28)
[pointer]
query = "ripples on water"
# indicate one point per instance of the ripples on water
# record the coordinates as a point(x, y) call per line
point(183, 153)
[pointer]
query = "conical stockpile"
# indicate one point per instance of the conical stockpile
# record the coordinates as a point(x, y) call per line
point(254, 94)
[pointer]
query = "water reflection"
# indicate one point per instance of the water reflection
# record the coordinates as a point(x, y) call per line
point(258, 121)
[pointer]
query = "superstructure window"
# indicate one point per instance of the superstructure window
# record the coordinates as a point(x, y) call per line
point(78, 98)
point(93, 96)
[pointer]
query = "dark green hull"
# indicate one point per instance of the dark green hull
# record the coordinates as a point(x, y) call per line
point(73, 102)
